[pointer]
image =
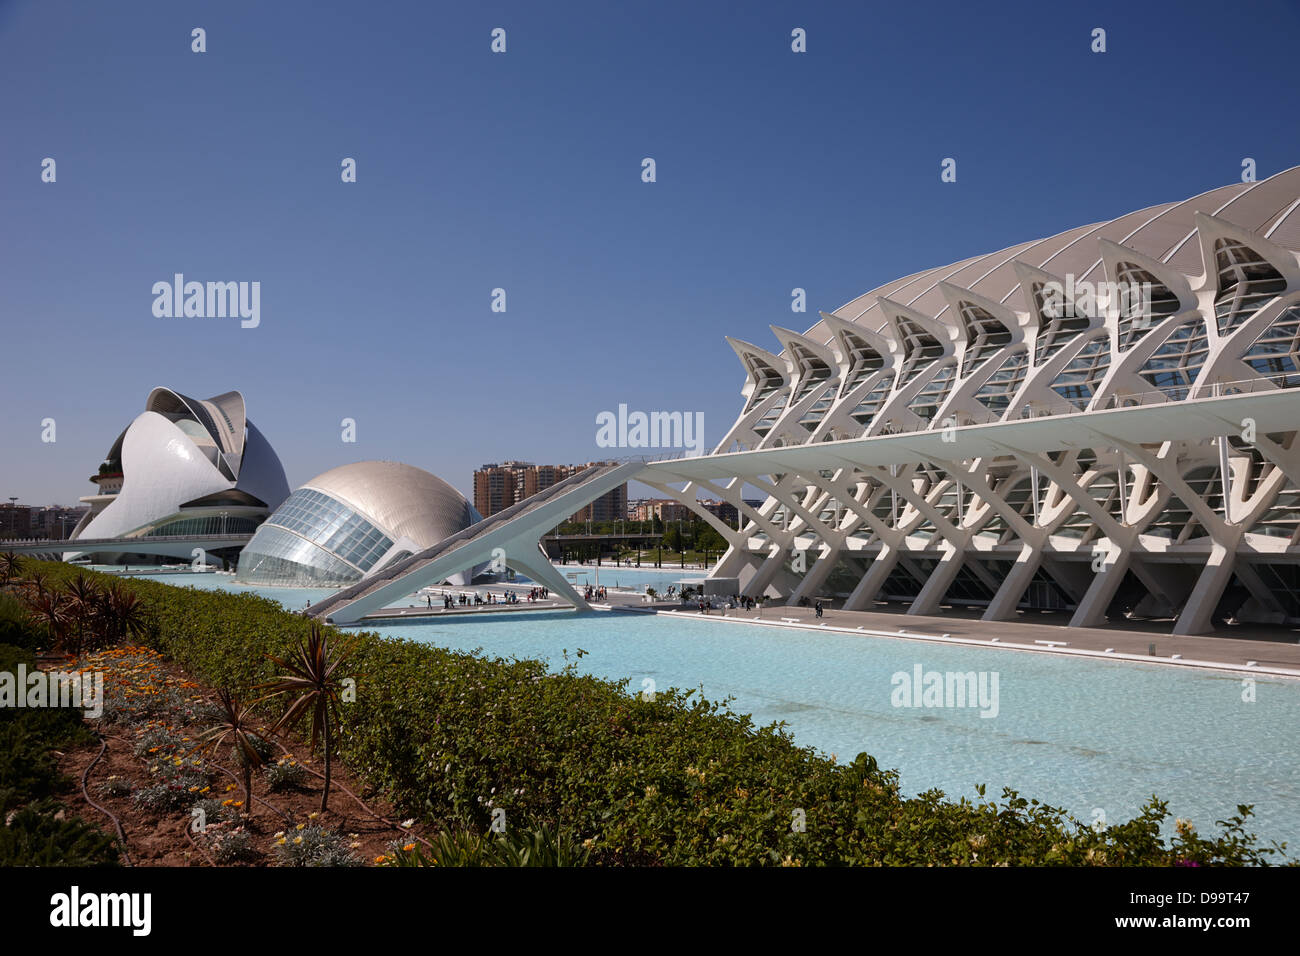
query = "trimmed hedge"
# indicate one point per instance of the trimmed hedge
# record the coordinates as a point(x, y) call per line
point(37, 831)
point(452, 737)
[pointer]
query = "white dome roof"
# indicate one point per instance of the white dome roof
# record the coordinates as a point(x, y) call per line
point(401, 500)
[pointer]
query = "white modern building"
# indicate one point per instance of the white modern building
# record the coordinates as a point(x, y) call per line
point(351, 522)
point(183, 467)
point(1013, 433)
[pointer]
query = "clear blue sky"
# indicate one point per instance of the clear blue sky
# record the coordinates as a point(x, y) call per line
point(522, 171)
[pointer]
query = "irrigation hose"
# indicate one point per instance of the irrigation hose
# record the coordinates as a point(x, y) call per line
point(85, 774)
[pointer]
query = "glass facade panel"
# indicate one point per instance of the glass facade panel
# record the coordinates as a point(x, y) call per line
point(1134, 320)
point(932, 393)
point(919, 348)
point(209, 524)
point(312, 539)
point(1173, 367)
point(1056, 331)
point(332, 526)
point(276, 556)
point(1275, 353)
point(1080, 378)
point(817, 410)
point(985, 336)
point(1246, 282)
point(869, 405)
point(997, 392)
point(865, 360)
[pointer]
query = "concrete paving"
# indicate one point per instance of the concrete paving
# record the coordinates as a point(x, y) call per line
point(1253, 653)
point(1270, 651)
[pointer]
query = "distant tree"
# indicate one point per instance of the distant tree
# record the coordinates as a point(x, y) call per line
point(672, 539)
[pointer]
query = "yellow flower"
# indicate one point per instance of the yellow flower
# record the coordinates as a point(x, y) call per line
point(297, 839)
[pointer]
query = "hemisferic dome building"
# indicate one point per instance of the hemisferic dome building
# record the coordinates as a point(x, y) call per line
point(352, 521)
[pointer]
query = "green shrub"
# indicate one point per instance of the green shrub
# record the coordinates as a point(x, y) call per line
point(28, 771)
point(229, 844)
point(16, 628)
point(157, 742)
point(162, 796)
point(214, 811)
point(312, 845)
point(454, 737)
point(285, 774)
point(54, 727)
point(540, 847)
point(37, 835)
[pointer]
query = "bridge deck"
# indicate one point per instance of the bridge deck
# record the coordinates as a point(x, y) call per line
point(112, 544)
point(475, 532)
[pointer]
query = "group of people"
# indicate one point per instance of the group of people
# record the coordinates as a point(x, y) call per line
point(539, 594)
point(465, 600)
point(745, 603)
point(594, 594)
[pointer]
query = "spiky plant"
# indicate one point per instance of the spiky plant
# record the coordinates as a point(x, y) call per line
point(312, 681)
point(123, 612)
point(84, 608)
point(53, 611)
point(34, 583)
point(11, 565)
point(236, 725)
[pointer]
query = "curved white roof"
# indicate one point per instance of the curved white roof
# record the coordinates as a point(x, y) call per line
point(1166, 232)
point(401, 500)
point(179, 450)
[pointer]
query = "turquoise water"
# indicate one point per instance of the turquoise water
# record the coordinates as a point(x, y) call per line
point(294, 599)
point(636, 578)
point(1082, 734)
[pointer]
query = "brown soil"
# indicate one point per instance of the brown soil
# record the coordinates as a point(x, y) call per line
point(367, 820)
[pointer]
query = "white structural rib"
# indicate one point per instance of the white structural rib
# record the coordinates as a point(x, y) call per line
point(948, 438)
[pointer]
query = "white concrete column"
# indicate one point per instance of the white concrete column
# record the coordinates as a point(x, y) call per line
point(939, 580)
point(874, 579)
point(757, 585)
point(1006, 601)
point(1091, 611)
point(545, 574)
point(1197, 614)
point(815, 576)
